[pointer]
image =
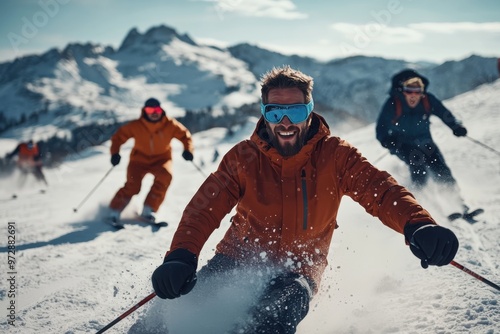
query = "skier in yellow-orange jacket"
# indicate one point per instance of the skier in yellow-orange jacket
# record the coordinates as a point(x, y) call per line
point(152, 153)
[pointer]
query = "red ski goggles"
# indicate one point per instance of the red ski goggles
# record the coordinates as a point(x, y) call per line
point(296, 113)
point(153, 110)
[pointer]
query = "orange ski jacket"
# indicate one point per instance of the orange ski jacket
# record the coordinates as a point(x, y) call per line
point(286, 207)
point(152, 140)
point(28, 155)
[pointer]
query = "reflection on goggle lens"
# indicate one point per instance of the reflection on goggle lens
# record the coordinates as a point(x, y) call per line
point(153, 110)
point(408, 89)
point(296, 113)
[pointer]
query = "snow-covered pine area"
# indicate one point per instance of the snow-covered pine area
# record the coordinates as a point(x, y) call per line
point(75, 274)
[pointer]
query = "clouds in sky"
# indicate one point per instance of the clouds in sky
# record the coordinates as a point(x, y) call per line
point(278, 9)
point(381, 32)
point(319, 29)
point(381, 29)
point(360, 36)
point(457, 27)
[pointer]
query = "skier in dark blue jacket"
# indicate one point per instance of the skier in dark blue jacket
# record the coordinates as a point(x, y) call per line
point(403, 127)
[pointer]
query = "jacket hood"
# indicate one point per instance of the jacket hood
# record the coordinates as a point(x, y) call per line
point(145, 117)
point(154, 126)
point(317, 130)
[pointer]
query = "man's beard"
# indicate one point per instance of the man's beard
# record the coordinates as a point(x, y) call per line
point(288, 149)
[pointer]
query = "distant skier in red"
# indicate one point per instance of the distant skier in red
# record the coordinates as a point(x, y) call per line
point(29, 160)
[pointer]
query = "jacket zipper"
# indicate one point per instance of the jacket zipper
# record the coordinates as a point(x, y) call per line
point(152, 139)
point(304, 199)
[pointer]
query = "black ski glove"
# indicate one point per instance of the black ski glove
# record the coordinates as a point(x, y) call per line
point(392, 143)
point(115, 159)
point(389, 142)
point(188, 156)
point(176, 276)
point(432, 244)
point(460, 131)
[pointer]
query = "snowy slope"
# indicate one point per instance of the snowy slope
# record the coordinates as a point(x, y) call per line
point(75, 274)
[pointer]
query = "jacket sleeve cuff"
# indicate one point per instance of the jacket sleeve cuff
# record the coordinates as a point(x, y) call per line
point(181, 254)
point(410, 228)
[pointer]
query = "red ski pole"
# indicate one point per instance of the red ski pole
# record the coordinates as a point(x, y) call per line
point(142, 302)
point(473, 274)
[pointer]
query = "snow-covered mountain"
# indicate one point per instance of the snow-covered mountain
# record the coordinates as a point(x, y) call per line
point(73, 274)
point(87, 83)
point(359, 85)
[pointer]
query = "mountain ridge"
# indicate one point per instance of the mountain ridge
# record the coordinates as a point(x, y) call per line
point(87, 83)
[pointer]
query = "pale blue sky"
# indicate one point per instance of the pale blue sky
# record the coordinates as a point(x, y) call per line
point(399, 29)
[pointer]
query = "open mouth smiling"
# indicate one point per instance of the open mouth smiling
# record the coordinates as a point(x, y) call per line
point(287, 133)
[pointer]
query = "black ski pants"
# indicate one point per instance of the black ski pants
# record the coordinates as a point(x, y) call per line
point(424, 159)
point(282, 305)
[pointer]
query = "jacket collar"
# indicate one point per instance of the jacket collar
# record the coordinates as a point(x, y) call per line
point(318, 130)
point(153, 127)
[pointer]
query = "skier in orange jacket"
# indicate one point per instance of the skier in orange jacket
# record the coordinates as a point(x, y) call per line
point(152, 153)
point(29, 160)
point(285, 184)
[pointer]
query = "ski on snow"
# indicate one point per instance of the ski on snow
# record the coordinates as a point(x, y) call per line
point(468, 216)
point(119, 225)
point(15, 196)
point(151, 221)
point(116, 225)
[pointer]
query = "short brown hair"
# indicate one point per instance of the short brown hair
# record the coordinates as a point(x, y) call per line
point(286, 77)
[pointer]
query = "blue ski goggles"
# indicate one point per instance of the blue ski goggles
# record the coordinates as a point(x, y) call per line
point(296, 113)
